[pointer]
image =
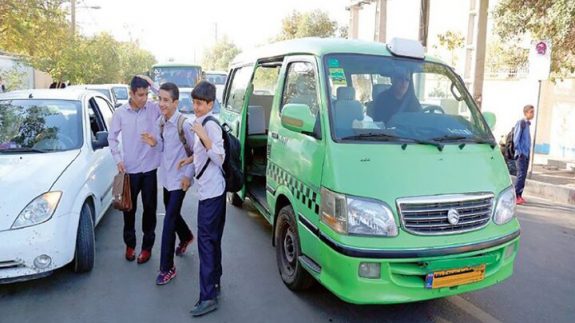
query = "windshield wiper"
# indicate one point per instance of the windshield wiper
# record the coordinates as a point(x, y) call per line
point(390, 137)
point(373, 135)
point(458, 138)
point(23, 150)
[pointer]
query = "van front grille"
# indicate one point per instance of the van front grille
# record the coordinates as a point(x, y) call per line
point(445, 214)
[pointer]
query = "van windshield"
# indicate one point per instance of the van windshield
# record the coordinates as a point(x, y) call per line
point(378, 98)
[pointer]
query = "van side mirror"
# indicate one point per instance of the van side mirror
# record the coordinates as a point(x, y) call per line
point(298, 117)
point(101, 140)
point(490, 119)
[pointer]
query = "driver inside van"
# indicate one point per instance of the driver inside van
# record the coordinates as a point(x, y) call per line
point(400, 97)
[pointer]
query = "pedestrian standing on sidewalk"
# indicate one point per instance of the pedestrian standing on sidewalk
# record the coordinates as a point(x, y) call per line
point(522, 144)
point(136, 121)
point(175, 135)
point(2, 86)
point(208, 160)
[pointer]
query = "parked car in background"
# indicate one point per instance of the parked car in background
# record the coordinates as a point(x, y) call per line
point(105, 89)
point(121, 92)
point(56, 172)
point(186, 104)
point(218, 78)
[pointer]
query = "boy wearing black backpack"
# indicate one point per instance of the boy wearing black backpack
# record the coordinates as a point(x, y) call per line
point(522, 147)
point(208, 159)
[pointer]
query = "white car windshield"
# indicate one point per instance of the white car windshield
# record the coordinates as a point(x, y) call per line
point(378, 98)
point(40, 125)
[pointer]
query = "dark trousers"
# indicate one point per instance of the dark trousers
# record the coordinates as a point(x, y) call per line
point(147, 183)
point(211, 220)
point(173, 224)
point(522, 164)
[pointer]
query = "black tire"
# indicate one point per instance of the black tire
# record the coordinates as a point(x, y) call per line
point(235, 200)
point(288, 250)
point(85, 242)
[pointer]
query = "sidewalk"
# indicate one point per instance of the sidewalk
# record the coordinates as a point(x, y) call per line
point(552, 179)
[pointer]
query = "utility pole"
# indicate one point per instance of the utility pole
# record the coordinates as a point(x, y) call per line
point(215, 32)
point(475, 41)
point(424, 22)
point(380, 21)
point(73, 16)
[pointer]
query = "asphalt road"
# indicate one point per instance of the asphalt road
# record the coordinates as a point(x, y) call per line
point(541, 289)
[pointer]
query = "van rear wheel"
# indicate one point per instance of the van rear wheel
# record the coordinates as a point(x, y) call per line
point(288, 250)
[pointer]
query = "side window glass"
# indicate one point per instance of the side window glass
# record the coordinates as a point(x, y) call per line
point(96, 121)
point(300, 86)
point(106, 111)
point(237, 90)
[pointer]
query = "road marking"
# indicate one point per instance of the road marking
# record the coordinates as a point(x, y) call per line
point(472, 310)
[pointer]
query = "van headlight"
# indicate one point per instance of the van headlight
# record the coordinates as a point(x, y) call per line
point(38, 211)
point(505, 207)
point(356, 216)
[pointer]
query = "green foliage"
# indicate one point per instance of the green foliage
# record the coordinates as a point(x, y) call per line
point(451, 41)
point(13, 78)
point(38, 31)
point(219, 56)
point(506, 57)
point(309, 24)
point(541, 19)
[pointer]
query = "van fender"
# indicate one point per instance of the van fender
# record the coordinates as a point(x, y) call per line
point(283, 196)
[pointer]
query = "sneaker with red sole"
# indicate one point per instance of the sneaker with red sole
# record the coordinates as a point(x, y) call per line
point(130, 254)
point(520, 200)
point(144, 256)
point(165, 277)
point(181, 248)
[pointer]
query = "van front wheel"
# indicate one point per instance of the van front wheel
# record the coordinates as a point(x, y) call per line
point(288, 250)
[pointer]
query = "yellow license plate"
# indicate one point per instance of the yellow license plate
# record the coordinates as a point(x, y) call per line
point(455, 277)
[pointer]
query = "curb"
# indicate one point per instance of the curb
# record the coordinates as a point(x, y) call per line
point(556, 193)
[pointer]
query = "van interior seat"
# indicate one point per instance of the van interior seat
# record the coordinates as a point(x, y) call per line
point(256, 120)
point(265, 101)
point(346, 110)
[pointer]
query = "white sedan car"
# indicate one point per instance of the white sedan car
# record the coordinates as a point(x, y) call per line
point(56, 175)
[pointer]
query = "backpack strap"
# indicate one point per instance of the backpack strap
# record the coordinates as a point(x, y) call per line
point(181, 120)
point(208, 118)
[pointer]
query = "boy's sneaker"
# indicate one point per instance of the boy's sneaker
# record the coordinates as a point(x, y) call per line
point(165, 277)
point(204, 307)
point(181, 248)
point(520, 200)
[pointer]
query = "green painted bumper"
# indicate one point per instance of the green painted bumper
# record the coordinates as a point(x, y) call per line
point(403, 279)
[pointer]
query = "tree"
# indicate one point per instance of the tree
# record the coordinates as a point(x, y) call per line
point(309, 24)
point(541, 19)
point(219, 56)
point(451, 41)
point(133, 60)
point(38, 31)
point(508, 57)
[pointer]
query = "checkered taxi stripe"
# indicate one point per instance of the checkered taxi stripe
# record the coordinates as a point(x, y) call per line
point(302, 192)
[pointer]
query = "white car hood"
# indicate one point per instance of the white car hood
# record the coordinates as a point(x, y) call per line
point(23, 177)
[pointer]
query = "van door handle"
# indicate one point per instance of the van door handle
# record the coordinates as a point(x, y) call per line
point(275, 135)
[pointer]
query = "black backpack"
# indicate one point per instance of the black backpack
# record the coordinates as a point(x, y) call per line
point(232, 166)
point(509, 149)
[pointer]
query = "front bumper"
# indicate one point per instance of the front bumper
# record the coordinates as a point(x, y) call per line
point(402, 279)
point(19, 249)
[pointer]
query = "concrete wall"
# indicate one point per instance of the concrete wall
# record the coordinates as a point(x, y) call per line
point(555, 115)
point(8, 63)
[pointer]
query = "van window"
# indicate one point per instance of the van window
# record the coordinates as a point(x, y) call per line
point(237, 89)
point(300, 86)
point(411, 101)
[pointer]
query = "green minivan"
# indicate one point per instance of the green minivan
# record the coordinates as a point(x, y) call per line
point(377, 171)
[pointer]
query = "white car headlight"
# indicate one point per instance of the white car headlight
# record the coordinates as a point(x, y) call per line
point(358, 216)
point(505, 208)
point(38, 211)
